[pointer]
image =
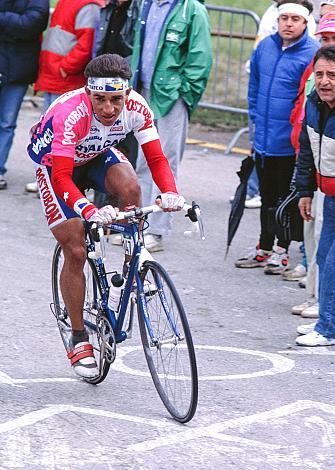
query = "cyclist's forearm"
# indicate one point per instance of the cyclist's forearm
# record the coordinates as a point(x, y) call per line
point(159, 166)
point(61, 178)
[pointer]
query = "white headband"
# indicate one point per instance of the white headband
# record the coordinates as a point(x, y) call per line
point(294, 9)
point(107, 84)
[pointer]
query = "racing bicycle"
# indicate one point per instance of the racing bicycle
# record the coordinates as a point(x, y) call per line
point(149, 290)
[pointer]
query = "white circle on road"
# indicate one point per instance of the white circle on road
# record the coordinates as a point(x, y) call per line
point(279, 364)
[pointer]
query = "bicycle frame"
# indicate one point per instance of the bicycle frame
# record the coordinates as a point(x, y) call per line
point(117, 318)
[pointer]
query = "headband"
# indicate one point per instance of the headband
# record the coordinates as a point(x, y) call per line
point(294, 9)
point(107, 84)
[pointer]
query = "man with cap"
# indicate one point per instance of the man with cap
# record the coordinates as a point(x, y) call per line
point(277, 66)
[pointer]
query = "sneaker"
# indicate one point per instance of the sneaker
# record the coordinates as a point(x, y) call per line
point(254, 202)
point(302, 282)
point(305, 329)
point(153, 243)
point(311, 312)
point(255, 259)
point(31, 187)
point(277, 262)
point(298, 309)
point(85, 367)
point(314, 339)
point(3, 182)
point(295, 274)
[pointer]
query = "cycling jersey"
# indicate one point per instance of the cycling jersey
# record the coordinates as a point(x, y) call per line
point(70, 128)
point(70, 135)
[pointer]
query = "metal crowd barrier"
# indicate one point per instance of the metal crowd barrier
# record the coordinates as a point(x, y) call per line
point(233, 33)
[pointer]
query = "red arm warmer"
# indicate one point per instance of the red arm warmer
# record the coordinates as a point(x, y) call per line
point(61, 179)
point(159, 166)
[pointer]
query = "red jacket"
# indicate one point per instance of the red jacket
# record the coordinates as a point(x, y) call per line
point(298, 112)
point(68, 44)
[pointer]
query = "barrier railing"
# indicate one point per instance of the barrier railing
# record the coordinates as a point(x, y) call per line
point(233, 33)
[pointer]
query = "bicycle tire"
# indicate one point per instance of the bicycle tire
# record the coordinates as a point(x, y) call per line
point(177, 380)
point(101, 334)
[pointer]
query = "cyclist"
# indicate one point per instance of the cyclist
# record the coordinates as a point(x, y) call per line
point(73, 149)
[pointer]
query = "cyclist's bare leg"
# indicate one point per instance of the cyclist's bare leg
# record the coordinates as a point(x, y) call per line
point(121, 180)
point(70, 235)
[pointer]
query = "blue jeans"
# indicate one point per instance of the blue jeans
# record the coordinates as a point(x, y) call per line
point(48, 99)
point(326, 261)
point(11, 97)
point(253, 184)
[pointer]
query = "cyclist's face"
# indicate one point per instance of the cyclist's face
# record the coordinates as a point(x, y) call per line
point(107, 106)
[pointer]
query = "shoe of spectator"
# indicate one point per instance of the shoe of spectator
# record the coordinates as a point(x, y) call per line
point(254, 202)
point(153, 243)
point(305, 329)
point(314, 339)
point(277, 262)
point(255, 259)
point(231, 199)
point(32, 187)
point(295, 274)
point(311, 312)
point(298, 309)
point(3, 182)
point(302, 282)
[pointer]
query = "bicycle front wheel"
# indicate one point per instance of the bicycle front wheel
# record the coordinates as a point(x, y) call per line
point(101, 334)
point(167, 342)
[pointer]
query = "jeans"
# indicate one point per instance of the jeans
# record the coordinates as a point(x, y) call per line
point(48, 99)
point(253, 184)
point(326, 261)
point(11, 97)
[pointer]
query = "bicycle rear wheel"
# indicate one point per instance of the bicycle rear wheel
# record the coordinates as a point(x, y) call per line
point(169, 349)
point(100, 331)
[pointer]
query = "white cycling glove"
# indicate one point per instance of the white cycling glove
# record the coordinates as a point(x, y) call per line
point(106, 215)
point(171, 201)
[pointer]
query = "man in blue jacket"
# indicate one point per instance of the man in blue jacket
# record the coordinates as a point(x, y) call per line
point(21, 24)
point(276, 69)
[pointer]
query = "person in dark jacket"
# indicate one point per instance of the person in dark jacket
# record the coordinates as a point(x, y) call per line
point(277, 66)
point(21, 25)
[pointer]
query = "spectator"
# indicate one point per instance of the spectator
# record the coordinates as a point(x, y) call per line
point(312, 229)
point(116, 29)
point(66, 50)
point(277, 66)
point(21, 23)
point(268, 25)
point(172, 81)
point(316, 168)
point(115, 35)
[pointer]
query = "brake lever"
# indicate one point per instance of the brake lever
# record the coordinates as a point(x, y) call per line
point(194, 214)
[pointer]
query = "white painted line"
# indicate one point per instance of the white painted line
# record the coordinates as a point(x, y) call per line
point(279, 364)
point(53, 410)
point(317, 351)
point(47, 380)
point(212, 430)
point(6, 379)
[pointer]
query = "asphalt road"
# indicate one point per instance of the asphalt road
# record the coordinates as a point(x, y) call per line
point(264, 403)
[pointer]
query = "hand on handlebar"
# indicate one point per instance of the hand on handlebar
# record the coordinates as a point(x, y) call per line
point(104, 216)
point(170, 202)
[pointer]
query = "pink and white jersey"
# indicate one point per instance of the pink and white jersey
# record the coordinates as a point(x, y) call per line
point(70, 128)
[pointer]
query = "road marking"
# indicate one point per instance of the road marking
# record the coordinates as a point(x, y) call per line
point(279, 363)
point(318, 351)
point(213, 429)
point(52, 410)
point(211, 145)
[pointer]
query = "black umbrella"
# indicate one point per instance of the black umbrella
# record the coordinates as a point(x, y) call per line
point(237, 206)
